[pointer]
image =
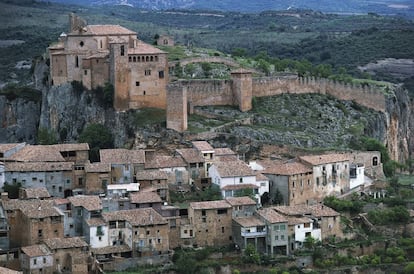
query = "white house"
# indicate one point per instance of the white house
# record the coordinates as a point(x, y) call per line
point(98, 235)
point(301, 228)
point(234, 176)
point(121, 190)
point(356, 175)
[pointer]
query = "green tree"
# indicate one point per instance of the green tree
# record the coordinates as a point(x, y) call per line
point(245, 192)
point(98, 137)
point(251, 255)
point(206, 68)
point(309, 242)
point(12, 189)
point(409, 268)
point(278, 198)
point(108, 95)
point(185, 264)
point(46, 137)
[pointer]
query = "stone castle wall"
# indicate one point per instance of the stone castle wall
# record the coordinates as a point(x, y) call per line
point(222, 92)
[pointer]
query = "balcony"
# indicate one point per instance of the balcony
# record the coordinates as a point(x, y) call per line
point(254, 234)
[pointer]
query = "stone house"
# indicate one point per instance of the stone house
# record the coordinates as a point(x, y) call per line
point(32, 221)
point(211, 223)
point(146, 199)
point(299, 229)
point(156, 180)
point(36, 259)
point(98, 176)
point(56, 177)
point(33, 193)
point(70, 255)
point(208, 154)
point(292, 180)
point(242, 206)
point(143, 230)
point(97, 235)
point(250, 230)
point(174, 166)
point(324, 218)
point(82, 208)
point(165, 40)
point(276, 226)
point(330, 173)
point(65, 206)
point(235, 176)
point(371, 160)
point(99, 54)
point(195, 166)
point(124, 163)
point(172, 215)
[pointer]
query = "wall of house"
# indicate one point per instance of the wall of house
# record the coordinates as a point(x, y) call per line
point(301, 230)
point(371, 161)
point(325, 183)
point(216, 230)
point(301, 189)
point(34, 264)
point(64, 257)
point(331, 227)
point(281, 183)
point(95, 240)
point(29, 230)
point(277, 238)
point(155, 239)
point(243, 210)
point(2, 175)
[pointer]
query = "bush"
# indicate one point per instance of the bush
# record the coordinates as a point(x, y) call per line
point(98, 137)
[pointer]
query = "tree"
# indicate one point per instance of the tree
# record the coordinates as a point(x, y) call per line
point(12, 189)
point(251, 255)
point(98, 137)
point(278, 198)
point(46, 137)
point(245, 192)
point(108, 95)
point(309, 242)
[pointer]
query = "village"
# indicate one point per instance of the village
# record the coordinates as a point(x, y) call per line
point(76, 216)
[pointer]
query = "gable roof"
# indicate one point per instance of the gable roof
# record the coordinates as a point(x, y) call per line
point(318, 210)
point(89, 202)
point(191, 155)
point(210, 205)
point(122, 156)
point(38, 166)
point(236, 168)
point(105, 30)
point(37, 153)
point(288, 169)
point(35, 251)
point(325, 158)
point(203, 146)
point(163, 161)
point(271, 215)
point(35, 193)
point(249, 221)
point(97, 167)
point(64, 243)
point(151, 175)
point(237, 201)
point(136, 217)
point(34, 208)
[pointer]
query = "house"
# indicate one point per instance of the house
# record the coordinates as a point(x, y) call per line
point(98, 177)
point(242, 206)
point(165, 40)
point(195, 166)
point(250, 230)
point(82, 208)
point(121, 190)
point(371, 160)
point(211, 223)
point(143, 230)
point(33, 193)
point(324, 218)
point(36, 259)
point(330, 173)
point(4, 226)
point(2, 175)
point(32, 221)
point(97, 233)
point(233, 177)
point(174, 166)
point(290, 183)
point(154, 179)
point(276, 226)
point(208, 154)
point(70, 255)
point(100, 54)
point(56, 177)
point(146, 199)
point(224, 154)
point(299, 229)
point(125, 163)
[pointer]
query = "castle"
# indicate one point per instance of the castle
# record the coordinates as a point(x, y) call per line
point(98, 54)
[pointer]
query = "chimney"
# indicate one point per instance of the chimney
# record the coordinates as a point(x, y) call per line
point(4, 196)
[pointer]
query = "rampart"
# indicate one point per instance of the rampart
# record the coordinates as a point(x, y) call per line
point(240, 89)
point(213, 59)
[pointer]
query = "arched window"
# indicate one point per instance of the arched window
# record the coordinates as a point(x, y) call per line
point(375, 161)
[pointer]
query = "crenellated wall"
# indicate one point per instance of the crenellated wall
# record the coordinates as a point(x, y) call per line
point(242, 88)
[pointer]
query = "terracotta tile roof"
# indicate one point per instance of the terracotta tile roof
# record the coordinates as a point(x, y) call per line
point(317, 210)
point(71, 147)
point(144, 197)
point(97, 167)
point(325, 158)
point(107, 30)
point(271, 215)
point(151, 175)
point(35, 251)
point(203, 146)
point(61, 201)
point(233, 169)
point(96, 222)
point(224, 152)
point(64, 243)
point(237, 201)
point(191, 155)
point(288, 169)
point(89, 202)
point(122, 156)
point(144, 48)
point(4, 270)
point(136, 217)
point(38, 166)
point(210, 205)
point(111, 249)
point(161, 161)
point(8, 146)
point(298, 220)
point(249, 221)
point(239, 186)
point(37, 209)
point(36, 192)
point(37, 153)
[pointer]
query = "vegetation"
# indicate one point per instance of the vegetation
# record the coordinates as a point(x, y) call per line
point(46, 137)
point(12, 189)
point(394, 215)
point(351, 206)
point(105, 95)
point(98, 137)
point(14, 91)
point(209, 194)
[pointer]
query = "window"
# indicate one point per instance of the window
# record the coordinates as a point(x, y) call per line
point(375, 161)
point(85, 72)
point(293, 184)
point(81, 43)
point(34, 179)
point(148, 232)
point(77, 61)
point(241, 180)
point(306, 225)
point(34, 261)
point(277, 237)
point(100, 42)
point(159, 240)
point(40, 233)
point(122, 50)
point(147, 72)
point(282, 237)
point(60, 189)
point(222, 211)
point(137, 84)
point(161, 74)
point(203, 212)
point(222, 229)
point(80, 181)
point(44, 260)
point(308, 234)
